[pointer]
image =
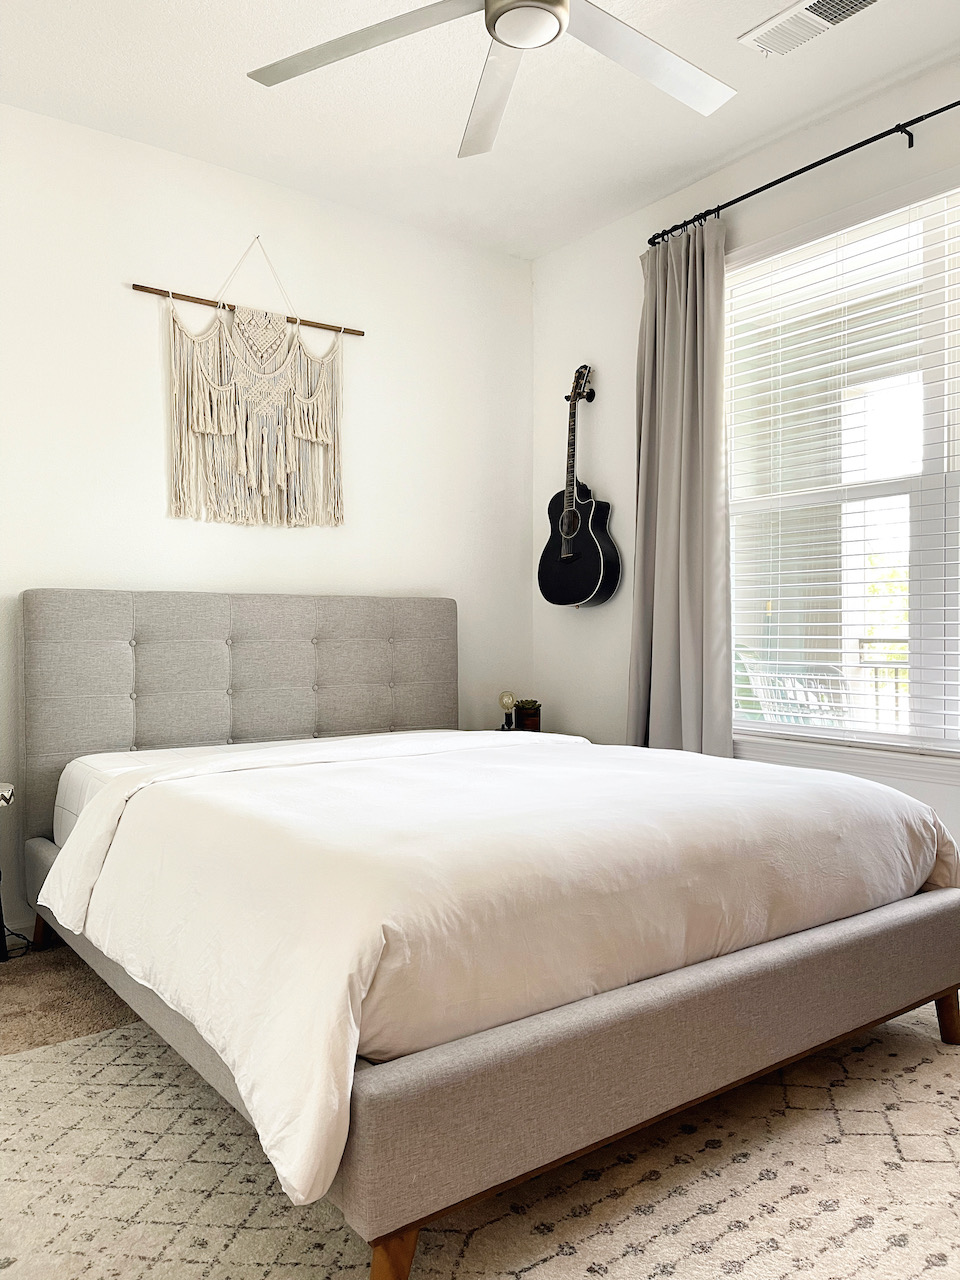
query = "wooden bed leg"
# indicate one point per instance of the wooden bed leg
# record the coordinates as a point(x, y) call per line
point(42, 935)
point(393, 1255)
point(948, 1015)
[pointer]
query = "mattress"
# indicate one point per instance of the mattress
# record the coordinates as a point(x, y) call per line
point(384, 894)
point(86, 776)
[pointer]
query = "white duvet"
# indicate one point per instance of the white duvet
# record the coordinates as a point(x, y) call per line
point(383, 894)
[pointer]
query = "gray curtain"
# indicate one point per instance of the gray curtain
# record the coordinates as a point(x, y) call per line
point(680, 690)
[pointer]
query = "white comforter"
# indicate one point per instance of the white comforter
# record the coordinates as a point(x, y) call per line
point(384, 894)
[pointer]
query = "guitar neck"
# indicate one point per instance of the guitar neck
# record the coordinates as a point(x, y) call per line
point(570, 489)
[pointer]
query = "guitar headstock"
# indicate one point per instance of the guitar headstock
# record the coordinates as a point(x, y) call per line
point(580, 390)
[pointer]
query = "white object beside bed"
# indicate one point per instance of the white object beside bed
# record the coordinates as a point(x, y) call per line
point(383, 894)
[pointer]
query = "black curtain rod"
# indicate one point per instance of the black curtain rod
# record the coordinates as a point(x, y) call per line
point(700, 218)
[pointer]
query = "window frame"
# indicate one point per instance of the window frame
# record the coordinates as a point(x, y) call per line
point(933, 496)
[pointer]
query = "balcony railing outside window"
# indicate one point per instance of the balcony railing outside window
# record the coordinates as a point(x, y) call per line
point(888, 686)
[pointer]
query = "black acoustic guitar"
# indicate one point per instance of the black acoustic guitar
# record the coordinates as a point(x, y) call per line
point(580, 564)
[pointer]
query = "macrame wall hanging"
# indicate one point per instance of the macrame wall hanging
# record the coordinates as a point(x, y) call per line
point(256, 419)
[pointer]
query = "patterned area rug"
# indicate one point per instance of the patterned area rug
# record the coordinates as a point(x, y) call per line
point(118, 1163)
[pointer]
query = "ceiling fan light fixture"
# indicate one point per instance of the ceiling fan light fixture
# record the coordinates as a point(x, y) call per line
point(527, 27)
point(526, 24)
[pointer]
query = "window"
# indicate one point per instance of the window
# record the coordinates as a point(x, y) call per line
point(843, 407)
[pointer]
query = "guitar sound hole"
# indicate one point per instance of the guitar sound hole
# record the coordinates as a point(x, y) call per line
point(569, 524)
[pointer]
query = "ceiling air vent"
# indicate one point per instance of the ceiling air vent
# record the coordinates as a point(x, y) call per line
point(792, 27)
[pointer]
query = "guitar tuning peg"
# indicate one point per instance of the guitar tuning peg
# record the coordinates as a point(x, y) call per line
point(567, 398)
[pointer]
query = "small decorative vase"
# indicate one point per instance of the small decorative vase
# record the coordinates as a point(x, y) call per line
point(528, 719)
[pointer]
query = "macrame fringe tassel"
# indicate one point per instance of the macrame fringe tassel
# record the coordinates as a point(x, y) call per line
point(249, 452)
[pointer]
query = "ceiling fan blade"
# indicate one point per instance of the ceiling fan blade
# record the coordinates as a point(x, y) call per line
point(298, 64)
point(647, 59)
point(496, 81)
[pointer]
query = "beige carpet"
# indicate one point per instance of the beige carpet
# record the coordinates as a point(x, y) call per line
point(49, 996)
point(118, 1163)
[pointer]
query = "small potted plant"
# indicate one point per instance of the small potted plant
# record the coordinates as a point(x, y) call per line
point(528, 715)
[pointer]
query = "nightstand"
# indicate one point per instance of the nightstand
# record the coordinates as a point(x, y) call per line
point(6, 798)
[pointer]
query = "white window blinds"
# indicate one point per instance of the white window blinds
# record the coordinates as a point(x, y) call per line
point(843, 401)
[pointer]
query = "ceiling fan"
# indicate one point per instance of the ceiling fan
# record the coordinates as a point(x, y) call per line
point(516, 25)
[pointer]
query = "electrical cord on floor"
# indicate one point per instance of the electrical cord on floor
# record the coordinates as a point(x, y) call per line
point(20, 951)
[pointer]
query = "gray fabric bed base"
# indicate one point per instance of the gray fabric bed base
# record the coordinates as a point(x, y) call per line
point(435, 1128)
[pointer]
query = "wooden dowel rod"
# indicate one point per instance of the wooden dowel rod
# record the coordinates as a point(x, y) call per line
point(210, 302)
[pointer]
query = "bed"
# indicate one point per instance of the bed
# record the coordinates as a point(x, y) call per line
point(112, 671)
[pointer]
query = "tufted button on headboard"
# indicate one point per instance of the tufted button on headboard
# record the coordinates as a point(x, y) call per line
point(131, 670)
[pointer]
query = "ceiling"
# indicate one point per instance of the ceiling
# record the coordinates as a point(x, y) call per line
point(583, 141)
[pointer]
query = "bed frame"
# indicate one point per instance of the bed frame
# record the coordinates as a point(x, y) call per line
point(118, 670)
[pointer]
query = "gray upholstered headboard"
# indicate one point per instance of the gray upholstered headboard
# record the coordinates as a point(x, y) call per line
point(128, 670)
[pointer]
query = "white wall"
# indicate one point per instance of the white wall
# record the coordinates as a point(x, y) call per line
point(586, 305)
point(587, 302)
point(436, 433)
